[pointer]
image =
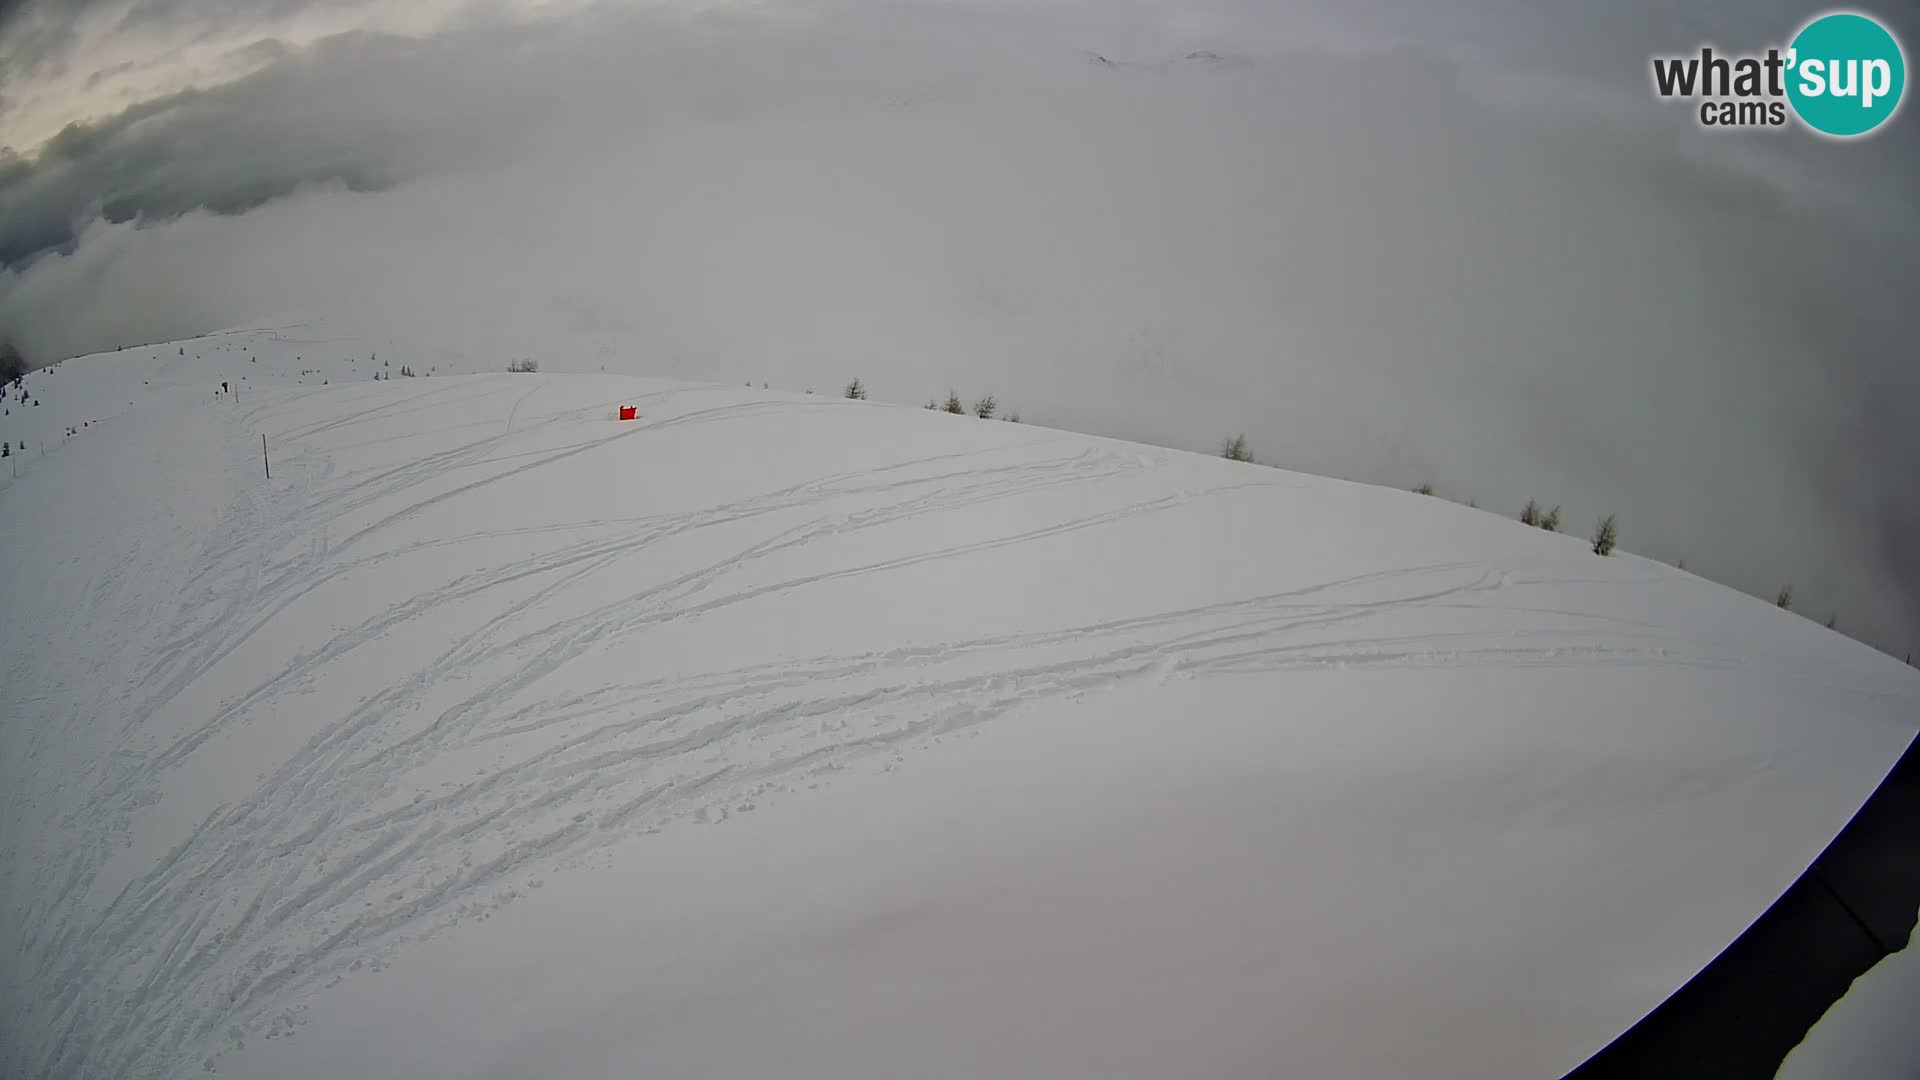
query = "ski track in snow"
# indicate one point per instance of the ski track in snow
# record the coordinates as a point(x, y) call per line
point(359, 842)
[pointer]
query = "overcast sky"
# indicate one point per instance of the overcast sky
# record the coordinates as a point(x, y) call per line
point(1403, 241)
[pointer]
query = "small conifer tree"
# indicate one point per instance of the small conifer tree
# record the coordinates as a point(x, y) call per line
point(1606, 536)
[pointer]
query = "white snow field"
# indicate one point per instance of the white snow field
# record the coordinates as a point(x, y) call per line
point(784, 735)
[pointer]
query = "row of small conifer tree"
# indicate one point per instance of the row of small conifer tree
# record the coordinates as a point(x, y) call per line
point(985, 408)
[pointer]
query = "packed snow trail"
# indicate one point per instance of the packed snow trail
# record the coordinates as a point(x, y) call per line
point(476, 638)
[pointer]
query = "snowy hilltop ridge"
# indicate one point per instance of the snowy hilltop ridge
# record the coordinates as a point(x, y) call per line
point(785, 734)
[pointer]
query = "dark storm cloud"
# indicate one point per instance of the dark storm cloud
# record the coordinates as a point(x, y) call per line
point(309, 117)
point(155, 14)
point(362, 109)
point(32, 32)
point(36, 34)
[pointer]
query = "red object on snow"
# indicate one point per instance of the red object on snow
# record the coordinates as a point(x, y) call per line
point(629, 412)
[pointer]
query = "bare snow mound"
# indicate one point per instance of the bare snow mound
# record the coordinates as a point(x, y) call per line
point(786, 735)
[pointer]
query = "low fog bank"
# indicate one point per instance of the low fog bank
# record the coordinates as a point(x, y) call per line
point(1378, 264)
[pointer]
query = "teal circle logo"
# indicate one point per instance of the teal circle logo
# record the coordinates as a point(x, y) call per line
point(1845, 74)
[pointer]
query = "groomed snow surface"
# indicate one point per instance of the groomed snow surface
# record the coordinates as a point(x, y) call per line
point(783, 735)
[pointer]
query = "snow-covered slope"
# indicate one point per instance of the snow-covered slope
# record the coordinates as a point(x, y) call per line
point(787, 735)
